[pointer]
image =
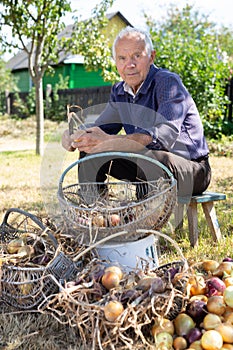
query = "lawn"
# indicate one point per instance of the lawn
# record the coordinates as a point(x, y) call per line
point(25, 183)
point(26, 177)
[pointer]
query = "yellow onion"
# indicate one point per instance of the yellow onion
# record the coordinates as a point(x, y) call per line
point(110, 279)
point(183, 323)
point(197, 285)
point(212, 340)
point(210, 265)
point(113, 310)
point(163, 325)
point(227, 346)
point(211, 321)
point(225, 267)
point(14, 245)
point(115, 269)
point(164, 340)
point(228, 315)
point(216, 305)
point(180, 343)
point(226, 331)
point(196, 345)
point(228, 281)
point(228, 296)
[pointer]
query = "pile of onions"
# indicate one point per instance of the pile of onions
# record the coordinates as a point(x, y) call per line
point(207, 321)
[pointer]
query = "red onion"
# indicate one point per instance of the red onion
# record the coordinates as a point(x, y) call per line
point(215, 286)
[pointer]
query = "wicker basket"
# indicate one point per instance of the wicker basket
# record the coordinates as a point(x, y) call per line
point(122, 205)
point(25, 287)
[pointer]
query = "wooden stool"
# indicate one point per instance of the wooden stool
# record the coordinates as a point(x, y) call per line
point(207, 200)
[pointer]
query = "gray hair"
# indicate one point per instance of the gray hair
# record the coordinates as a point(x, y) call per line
point(131, 30)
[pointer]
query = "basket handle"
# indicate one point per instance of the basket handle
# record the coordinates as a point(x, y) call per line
point(33, 218)
point(118, 154)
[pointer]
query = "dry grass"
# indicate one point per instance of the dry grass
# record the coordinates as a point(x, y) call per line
point(22, 177)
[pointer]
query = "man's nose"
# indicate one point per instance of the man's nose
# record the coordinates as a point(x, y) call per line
point(131, 62)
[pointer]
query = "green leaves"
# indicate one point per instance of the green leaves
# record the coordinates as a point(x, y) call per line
point(187, 43)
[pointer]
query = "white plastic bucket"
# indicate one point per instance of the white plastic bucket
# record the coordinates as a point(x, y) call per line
point(128, 254)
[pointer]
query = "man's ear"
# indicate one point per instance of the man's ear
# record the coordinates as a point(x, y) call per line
point(152, 55)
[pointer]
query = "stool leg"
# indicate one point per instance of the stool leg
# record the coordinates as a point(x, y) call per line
point(212, 220)
point(193, 224)
point(179, 216)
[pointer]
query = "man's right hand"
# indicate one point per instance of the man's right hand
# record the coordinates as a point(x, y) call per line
point(68, 140)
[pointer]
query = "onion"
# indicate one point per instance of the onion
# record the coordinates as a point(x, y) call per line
point(226, 331)
point(193, 335)
point(164, 325)
point(210, 265)
point(113, 310)
point(228, 315)
point(183, 323)
point(215, 286)
point(228, 281)
point(224, 267)
point(227, 347)
point(115, 269)
point(196, 345)
point(211, 321)
point(228, 296)
point(228, 258)
point(110, 280)
point(211, 340)
point(197, 285)
point(216, 305)
point(163, 340)
point(180, 343)
point(197, 310)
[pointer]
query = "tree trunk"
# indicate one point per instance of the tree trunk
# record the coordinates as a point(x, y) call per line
point(39, 118)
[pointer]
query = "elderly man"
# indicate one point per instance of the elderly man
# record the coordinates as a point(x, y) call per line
point(158, 116)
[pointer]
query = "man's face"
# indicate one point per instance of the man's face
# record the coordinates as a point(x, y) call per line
point(132, 60)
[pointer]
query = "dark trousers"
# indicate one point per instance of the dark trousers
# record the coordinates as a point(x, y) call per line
point(193, 177)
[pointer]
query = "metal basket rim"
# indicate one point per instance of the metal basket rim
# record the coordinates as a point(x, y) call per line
point(65, 201)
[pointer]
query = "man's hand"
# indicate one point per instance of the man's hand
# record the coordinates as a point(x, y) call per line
point(68, 140)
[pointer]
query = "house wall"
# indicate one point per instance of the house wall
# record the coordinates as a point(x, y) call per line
point(23, 80)
point(78, 77)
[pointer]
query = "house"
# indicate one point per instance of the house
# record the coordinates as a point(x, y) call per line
point(71, 66)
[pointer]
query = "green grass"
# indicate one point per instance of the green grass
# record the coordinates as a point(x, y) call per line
point(22, 174)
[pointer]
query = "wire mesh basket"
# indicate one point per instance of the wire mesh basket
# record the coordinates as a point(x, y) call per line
point(99, 209)
point(26, 282)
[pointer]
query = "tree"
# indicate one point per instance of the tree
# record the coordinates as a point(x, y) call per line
point(187, 43)
point(37, 25)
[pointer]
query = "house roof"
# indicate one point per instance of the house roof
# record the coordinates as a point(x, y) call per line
point(20, 60)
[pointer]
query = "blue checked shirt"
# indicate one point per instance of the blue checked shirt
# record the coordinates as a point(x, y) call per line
point(162, 108)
